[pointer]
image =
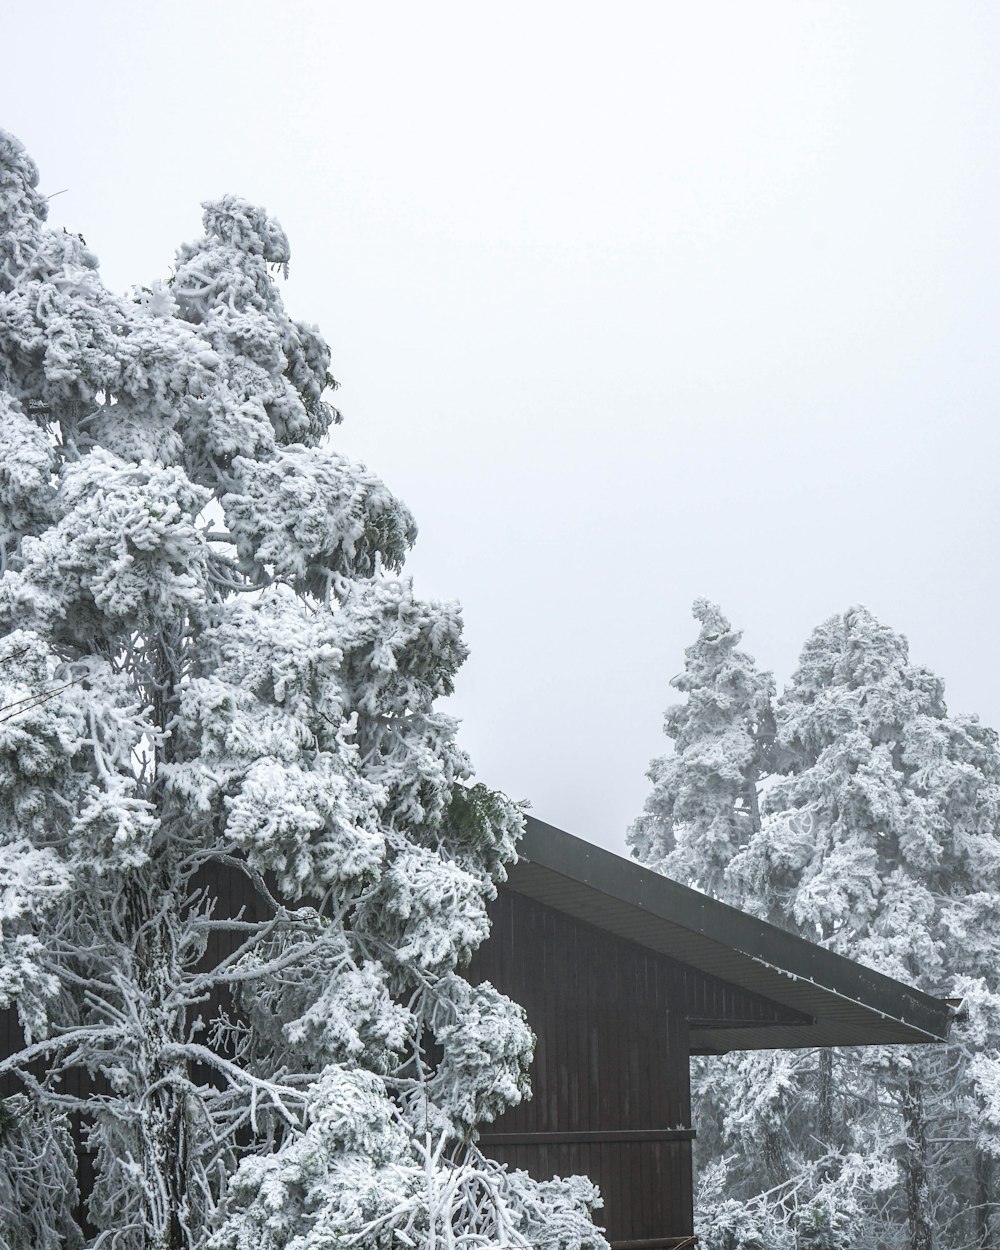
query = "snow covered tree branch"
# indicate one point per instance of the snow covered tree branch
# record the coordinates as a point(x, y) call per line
point(214, 684)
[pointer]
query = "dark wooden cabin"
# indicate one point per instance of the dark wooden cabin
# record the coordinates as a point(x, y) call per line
point(624, 974)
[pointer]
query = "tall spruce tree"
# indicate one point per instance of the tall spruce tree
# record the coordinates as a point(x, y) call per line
point(703, 807)
point(703, 810)
point(210, 670)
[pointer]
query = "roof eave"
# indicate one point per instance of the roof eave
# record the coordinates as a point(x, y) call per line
point(849, 1004)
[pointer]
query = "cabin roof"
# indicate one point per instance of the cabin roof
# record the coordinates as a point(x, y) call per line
point(845, 1003)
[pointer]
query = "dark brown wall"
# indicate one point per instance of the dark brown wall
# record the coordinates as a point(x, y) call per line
point(610, 1075)
point(611, 1059)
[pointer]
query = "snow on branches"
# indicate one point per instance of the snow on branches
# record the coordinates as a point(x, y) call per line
point(217, 691)
point(855, 811)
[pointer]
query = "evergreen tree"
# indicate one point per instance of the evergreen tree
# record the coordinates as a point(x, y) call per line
point(210, 667)
point(880, 838)
point(703, 807)
point(701, 813)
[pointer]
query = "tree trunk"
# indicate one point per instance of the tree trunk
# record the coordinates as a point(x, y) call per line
point(984, 1186)
point(774, 1156)
point(751, 800)
point(164, 1143)
point(826, 1099)
point(915, 1165)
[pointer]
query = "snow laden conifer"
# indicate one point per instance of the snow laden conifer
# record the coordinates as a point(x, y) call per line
point(879, 837)
point(702, 811)
point(216, 685)
point(703, 807)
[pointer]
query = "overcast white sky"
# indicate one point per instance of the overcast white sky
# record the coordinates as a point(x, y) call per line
point(629, 302)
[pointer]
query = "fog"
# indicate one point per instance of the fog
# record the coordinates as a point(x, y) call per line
point(630, 303)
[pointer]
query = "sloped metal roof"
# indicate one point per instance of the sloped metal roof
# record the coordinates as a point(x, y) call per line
point(845, 1003)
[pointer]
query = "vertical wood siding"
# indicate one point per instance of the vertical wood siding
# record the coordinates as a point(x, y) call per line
point(610, 1075)
point(611, 1058)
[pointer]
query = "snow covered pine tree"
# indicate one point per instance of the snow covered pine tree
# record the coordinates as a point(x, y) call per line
point(703, 809)
point(210, 669)
point(880, 837)
point(703, 806)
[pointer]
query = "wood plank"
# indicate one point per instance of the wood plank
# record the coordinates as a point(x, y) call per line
point(656, 1243)
point(587, 1135)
